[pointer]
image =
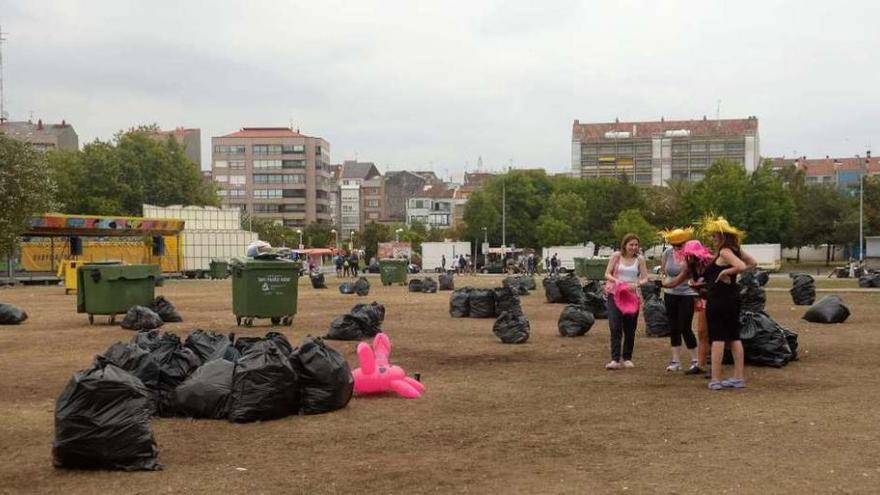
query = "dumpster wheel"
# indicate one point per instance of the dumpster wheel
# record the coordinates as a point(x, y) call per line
point(112, 319)
point(238, 321)
point(276, 320)
point(91, 319)
point(248, 322)
point(287, 321)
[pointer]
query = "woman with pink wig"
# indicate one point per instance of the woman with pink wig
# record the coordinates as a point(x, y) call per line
point(625, 272)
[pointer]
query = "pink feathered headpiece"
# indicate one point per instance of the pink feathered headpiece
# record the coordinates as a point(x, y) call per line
point(697, 250)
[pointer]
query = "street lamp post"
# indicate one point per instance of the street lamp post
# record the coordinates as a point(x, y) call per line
point(397, 235)
point(351, 240)
point(300, 232)
point(485, 235)
point(335, 238)
point(863, 170)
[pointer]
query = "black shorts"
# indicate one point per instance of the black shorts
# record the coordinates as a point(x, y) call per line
point(722, 313)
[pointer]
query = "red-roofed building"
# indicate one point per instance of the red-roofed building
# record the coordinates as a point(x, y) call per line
point(841, 172)
point(652, 153)
point(275, 173)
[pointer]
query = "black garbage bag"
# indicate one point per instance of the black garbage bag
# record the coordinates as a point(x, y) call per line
point(346, 288)
point(762, 277)
point(803, 289)
point(209, 346)
point(429, 286)
point(11, 314)
point(830, 309)
point(650, 290)
point(595, 299)
point(792, 338)
point(571, 289)
point(528, 282)
point(141, 318)
point(656, 321)
point(205, 393)
point(515, 284)
point(414, 285)
point(139, 362)
point(317, 280)
point(482, 303)
point(506, 299)
point(447, 281)
point(362, 286)
point(869, 280)
point(764, 341)
point(148, 340)
point(345, 327)
point(551, 290)
point(752, 295)
point(264, 385)
point(246, 344)
point(511, 327)
point(459, 303)
point(176, 362)
point(369, 318)
point(165, 310)
point(575, 321)
point(325, 379)
point(102, 421)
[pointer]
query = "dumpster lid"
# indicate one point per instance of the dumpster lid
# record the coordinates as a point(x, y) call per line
point(125, 272)
point(245, 263)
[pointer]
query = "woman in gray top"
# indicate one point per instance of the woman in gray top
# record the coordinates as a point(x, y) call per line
point(679, 298)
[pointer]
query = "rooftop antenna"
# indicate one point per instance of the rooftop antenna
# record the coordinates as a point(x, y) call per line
point(2, 94)
point(480, 163)
point(718, 113)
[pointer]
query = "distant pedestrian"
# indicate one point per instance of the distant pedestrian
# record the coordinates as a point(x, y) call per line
point(462, 265)
point(443, 263)
point(339, 264)
point(353, 264)
point(554, 264)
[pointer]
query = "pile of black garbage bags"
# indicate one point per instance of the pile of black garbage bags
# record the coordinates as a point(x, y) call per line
point(586, 304)
point(521, 284)
point(502, 303)
point(317, 280)
point(11, 314)
point(140, 318)
point(447, 281)
point(102, 416)
point(364, 321)
point(426, 285)
point(830, 309)
point(765, 342)
point(803, 289)
point(361, 287)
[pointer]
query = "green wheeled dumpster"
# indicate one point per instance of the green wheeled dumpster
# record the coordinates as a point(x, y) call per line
point(590, 268)
point(111, 288)
point(264, 288)
point(392, 271)
point(218, 269)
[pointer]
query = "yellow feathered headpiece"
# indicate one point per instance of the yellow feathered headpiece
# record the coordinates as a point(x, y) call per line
point(712, 225)
point(678, 236)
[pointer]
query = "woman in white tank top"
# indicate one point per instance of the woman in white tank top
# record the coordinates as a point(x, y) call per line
point(626, 266)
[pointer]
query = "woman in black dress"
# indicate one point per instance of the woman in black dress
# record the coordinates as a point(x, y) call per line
point(722, 300)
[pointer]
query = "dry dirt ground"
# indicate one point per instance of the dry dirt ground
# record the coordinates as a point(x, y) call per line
point(543, 417)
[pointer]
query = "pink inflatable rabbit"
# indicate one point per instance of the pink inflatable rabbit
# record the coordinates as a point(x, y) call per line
point(376, 375)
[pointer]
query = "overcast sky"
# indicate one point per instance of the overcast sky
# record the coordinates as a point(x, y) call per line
point(416, 84)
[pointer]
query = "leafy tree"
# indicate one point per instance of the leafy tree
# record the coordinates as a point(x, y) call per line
point(267, 230)
point(721, 192)
point(482, 211)
point(605, 199)
point(632, 221)
point(562, 220)
point(666, 207)
point(317, 235)
point(118, 177)
point(373, 234)
point(25, 190)
point(768, 206)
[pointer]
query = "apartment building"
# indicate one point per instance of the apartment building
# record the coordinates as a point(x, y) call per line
point(652, 153)
point(436, 206)
point(189, 139)
point(275, 173)
point(360, 196)
point(400, 186)
point(43, 137)
point(843, 173)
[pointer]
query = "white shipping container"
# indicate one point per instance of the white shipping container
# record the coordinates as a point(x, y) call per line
point(768, 256)
point(567, 254)
point(201, 246)
point(198, 217)
point(432, 253)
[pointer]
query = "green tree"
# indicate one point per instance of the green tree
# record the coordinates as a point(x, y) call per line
point(25, 190)
point(373, 234)
point(482, 211)
point(118, 177)
point(722, 192)
point(768, 205)
point(605, 199)
point(666, 206)
point(267, 230)
point(318, 235)
point(562, 220)
point(632, 221)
